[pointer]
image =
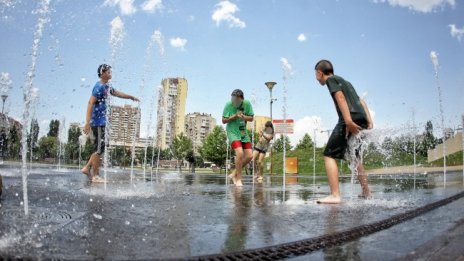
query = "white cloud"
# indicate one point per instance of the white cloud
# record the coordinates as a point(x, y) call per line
point(125, 6)
point(178, 42)
point(301, 37)
point(152, 5)
point(457, 33)
point(423, 6)
point(309, 124)
point(224, 12)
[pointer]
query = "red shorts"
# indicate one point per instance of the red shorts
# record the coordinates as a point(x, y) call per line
point(238, 144)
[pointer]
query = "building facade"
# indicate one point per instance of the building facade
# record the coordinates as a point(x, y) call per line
point(258, 123)
point(198, 126)
point(125, 125)
point(171, 110)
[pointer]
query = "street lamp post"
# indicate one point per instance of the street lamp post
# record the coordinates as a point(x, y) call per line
point(270, 85)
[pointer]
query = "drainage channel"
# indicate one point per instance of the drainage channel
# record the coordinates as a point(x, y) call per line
point(306, 246)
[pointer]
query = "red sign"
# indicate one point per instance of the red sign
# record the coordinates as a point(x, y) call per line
point(281, 126)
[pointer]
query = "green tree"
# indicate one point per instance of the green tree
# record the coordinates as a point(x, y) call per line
point(121, 156)
point(214, 147)
point(72, 147)
point(33, 137)
point(54, 126)
point(427, 141)
point(279, 144)
point(87, 150)
point(14, 142)
point(181, 147)
point(306, 143)
point(48, 147)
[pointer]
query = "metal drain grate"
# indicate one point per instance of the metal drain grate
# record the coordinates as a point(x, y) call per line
point(37, 215)
point(305, 246)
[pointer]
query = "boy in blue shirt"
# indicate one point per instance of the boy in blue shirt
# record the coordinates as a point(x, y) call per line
point(96, 119)
point(353, 116)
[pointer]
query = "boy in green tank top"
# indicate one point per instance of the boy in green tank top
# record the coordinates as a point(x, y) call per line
point(236, 113)
point(353, 116)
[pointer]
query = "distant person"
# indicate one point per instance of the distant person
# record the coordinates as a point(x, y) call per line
point(353, 116)
point(261, 148)
point(236, 114)
point(96, 120)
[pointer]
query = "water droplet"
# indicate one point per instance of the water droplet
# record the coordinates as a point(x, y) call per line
point(127, 222)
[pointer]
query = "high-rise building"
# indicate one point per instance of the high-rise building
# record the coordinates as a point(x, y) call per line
point(125, 124)
point(198, 126)
point(171, 110)
point(258, 122)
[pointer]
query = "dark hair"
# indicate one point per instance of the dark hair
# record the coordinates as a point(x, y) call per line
point(103, 68)
point(325, 66)
point(269, 124)
point(238, 93)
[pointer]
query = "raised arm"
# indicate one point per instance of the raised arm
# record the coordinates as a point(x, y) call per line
point(370, 123)
point(125, 96)
point(88, 114)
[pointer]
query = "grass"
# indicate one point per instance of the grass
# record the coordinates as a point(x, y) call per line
point(454, 159)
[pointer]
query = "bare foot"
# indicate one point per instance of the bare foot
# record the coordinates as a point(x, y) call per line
point(232, 177)
point(86, 171)
point(329, 200)
point(98, 179)
point(238, 183)
point(365, 195)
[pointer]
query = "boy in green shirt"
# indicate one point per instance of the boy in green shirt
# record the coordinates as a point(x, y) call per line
point(236, 113)
point(353, 116)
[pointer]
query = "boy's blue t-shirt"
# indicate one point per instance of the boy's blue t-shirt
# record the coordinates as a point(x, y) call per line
point(100, 92)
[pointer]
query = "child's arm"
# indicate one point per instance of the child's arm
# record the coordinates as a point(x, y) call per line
point(351, 127)
point(370, 123)
point(125, 96)
point(245, 117)
point(229, 119)
point(88, 115)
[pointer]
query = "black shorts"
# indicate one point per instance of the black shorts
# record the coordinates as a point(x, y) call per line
point(99, 142)
point(338, 142)
point(260, 150)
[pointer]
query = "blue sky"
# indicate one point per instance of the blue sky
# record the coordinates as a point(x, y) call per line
point(382, 47)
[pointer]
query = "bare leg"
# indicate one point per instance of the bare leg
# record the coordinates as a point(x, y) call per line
point(96, 164)
point(261, 166)
point(255, 158)
point(332, 175)
point(247, 156)
point(362, 177)
point(238, 166)
point(86, 169)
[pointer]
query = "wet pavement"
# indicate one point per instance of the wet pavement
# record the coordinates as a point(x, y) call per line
point(176, 215)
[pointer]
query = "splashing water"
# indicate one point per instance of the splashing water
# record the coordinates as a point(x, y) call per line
point(61, 135)
point(5, 83)
point(158, 38)
point(155, 38)
point(434, 58)
point(137, 117)
point(163, 97)
point(253, 102)
point(287, 72)
point(357, 144)
point(117, 35)
point(30, 92)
